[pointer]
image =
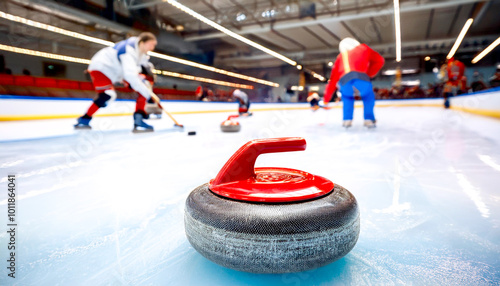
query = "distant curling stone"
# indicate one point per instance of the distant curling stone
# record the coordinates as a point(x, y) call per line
point(270, 220)
point(230, 125)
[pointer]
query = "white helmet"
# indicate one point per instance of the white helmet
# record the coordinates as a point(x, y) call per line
point(348, 44)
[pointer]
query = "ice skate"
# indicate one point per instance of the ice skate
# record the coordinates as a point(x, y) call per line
point(140, 126)
point(370, 123)
point(347, 123)
point(83, 123)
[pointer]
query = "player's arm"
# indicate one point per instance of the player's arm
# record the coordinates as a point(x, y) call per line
point(332, 83)
point(131, 75)
point(376, 63)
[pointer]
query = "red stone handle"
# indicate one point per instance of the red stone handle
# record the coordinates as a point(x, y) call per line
point(241, 165)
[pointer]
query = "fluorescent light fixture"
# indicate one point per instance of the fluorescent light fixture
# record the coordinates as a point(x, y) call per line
point(459, 39)
point(318, 76)
point(54, 29)
point(411, 82)
point(43, 54)
point(108, 43)
point(299, 88)
point(212, 69)
point(314, 88)
point(486, 51)
point(404, 71)
point(86, 61)
point(202, 79)
point(228, 32)
point(397, 25)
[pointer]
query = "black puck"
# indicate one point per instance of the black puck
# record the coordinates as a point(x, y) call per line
point(192, 133)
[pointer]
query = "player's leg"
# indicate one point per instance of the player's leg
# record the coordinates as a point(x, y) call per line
point(106, 94)
point(347, 103)
point(449, 90)
point(140, 114)
point(368, 96)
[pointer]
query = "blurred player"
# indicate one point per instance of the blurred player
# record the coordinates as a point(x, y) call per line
point(121, 62)
point(353, 68)
point(244, 103)
point(455, 83)
point(313, 99)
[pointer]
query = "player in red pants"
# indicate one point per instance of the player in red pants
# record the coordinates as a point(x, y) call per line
point(121, 62)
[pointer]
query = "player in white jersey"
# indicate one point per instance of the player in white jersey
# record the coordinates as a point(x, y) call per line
point(119, 63)
point(244, 103)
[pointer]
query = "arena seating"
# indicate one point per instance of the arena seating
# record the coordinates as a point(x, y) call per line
point(63, 88)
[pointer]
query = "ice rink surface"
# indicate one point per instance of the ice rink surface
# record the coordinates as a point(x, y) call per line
point(106, 207)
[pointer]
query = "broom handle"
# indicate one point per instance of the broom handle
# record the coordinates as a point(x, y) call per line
point(157, 100)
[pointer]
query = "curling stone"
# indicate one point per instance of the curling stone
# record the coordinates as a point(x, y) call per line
point(230, 125)
point(270, 220)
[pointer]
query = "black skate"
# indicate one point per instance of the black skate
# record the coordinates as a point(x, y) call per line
point(83, 123)
point(140, 126)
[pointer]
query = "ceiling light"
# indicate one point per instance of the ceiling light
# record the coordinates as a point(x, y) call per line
point(228, 32)
point(460, 38)
point(54, 29)
point(108, 43)
point(318, 76)
point(486, 51)
point(43, 54)
point(299, 67)
point(212, 69)
point(330, 64)
point(240, 17)
point(268, 13)
point(397, 24)
point(404, 71)
point(411, 82)
point(427, 58)
point(202, 79)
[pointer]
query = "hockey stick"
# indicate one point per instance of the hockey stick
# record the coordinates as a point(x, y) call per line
point(157, 100)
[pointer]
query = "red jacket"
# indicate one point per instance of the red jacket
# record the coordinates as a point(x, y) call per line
point(361, 59)
point(455, 70)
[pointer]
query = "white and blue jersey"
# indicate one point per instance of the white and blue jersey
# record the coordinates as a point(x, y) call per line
point(122, 62)
point(243, 97)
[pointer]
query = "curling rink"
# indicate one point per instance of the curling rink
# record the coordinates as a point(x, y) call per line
point(106, 206)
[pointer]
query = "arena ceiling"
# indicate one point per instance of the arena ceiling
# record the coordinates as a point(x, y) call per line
point(309, 31)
